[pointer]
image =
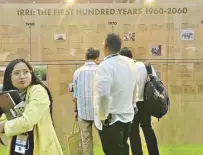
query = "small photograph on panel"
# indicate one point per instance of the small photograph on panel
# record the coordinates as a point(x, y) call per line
point(41, 72)
point(156, 50)
point(59, 37)
point(129, 36)
point(187, 35)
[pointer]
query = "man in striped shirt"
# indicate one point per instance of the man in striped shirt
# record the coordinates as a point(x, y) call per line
point(83, 81)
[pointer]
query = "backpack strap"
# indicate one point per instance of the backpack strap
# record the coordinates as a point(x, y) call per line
point(148, 68)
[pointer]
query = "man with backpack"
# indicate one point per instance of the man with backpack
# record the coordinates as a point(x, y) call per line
point(143, 116)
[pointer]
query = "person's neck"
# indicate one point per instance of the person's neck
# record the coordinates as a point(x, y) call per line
point(22, 90)
point(91, 60)
point(108, 53)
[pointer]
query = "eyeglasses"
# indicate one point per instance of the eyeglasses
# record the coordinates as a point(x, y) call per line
point(18, 73)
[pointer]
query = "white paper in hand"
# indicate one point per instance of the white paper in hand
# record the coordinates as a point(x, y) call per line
point(19, 108)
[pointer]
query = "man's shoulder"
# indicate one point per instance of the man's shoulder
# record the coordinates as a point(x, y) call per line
point(139, 64)
point(104, 64)
point(128, 60)
point(85, 68)
point(125, 58)
point(79, 69)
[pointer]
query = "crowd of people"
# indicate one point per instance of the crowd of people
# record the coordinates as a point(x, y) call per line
point(112, 96)
point(108, 95)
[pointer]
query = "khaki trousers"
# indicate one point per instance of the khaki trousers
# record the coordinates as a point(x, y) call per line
point(86, 134)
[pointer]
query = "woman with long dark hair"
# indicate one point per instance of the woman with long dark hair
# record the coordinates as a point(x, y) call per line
point(33, 132)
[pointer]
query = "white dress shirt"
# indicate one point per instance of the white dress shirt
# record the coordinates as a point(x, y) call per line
point(142, 78)
point(115, 81)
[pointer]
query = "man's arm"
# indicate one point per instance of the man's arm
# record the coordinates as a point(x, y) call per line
point(75, 94)
point(76, 108)
point(137, 90)
point(134, 96)
point(102, 98)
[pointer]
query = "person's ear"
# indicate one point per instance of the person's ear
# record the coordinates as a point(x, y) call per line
point(105, 45)
point(86, 57)
point(95, 60)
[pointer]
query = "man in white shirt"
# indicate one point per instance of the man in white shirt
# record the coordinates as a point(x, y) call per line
point(83, 98)
point(143, 117)
point(115, 81)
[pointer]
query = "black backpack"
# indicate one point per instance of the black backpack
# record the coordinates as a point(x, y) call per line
point(155, 95)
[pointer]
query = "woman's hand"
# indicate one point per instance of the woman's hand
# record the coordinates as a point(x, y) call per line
point(2, 124)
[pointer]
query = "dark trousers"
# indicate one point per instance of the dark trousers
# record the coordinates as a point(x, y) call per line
point(114, 138)
point(143, 118)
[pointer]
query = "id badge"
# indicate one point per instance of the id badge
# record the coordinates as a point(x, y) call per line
point(20, 145)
